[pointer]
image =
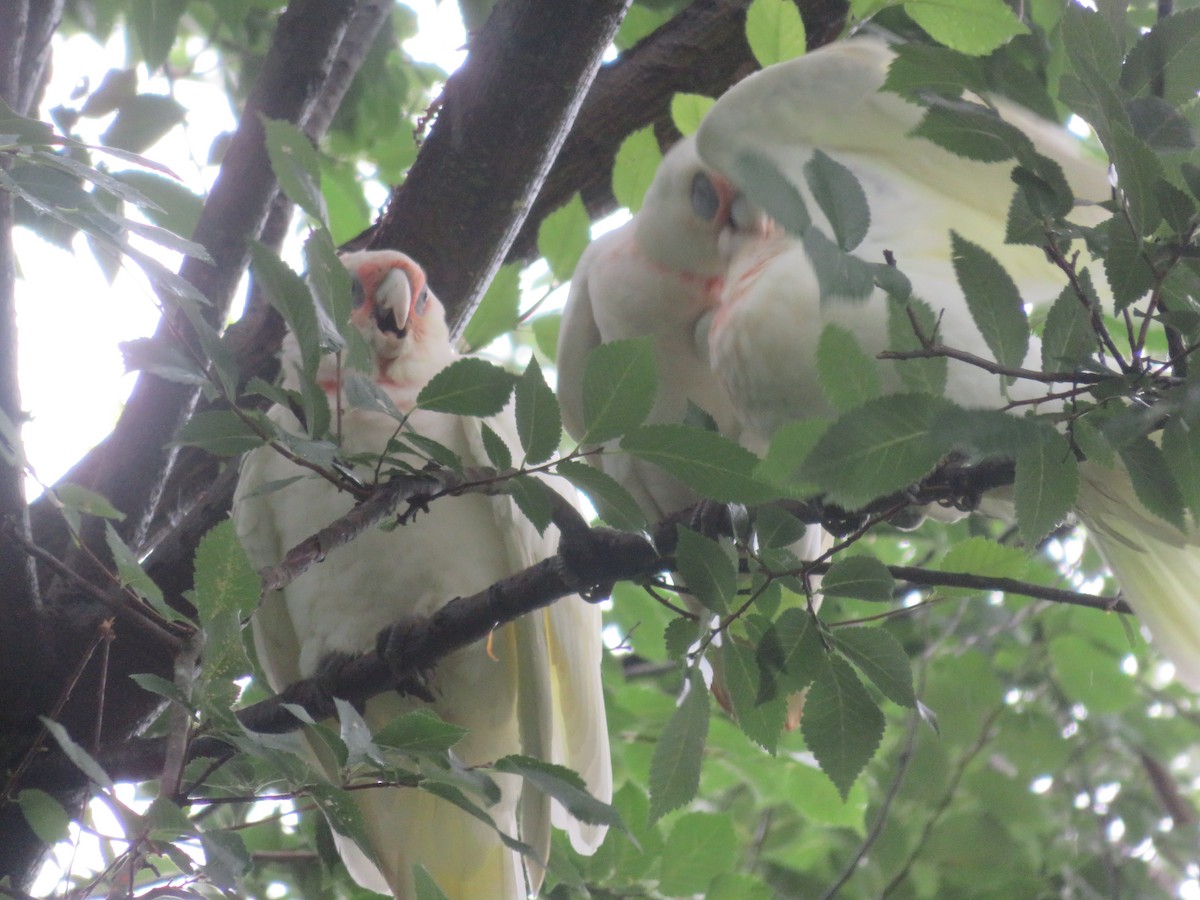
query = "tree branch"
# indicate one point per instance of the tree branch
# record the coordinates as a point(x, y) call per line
point(504, 115)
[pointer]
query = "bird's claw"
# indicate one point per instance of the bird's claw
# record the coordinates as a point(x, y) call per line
point(393, 645)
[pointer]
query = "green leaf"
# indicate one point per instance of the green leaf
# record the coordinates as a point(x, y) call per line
point(1130, 276)
point(225, 581)
point(565, 786)
point(972, 132)
point(983, 557)
point(533, 498)
point(840, 275)
point(563, 236)
point(713, 465)
point(1139, 171)
point(175, 208)
point(841, 198)
point(860, 577)
point(760, 713)
point(791, 654)
point(332, 288)
point(545, 332)
point(636, 162)
point(700, 847)
point(1166, 60)
point(882, 446)
point(85, 501)
point(539, 425)
point(849, 377)
point(45, 815)
point(709, 569)
point(162, 359)
point(498, 310)
point(1181, 451)
point(994, 301)
point(1046, 485)
point(921, 376)
point(287, 292)
point(142, 121)
point(923, 68)
point(675, 764)
point(221, 432)
point(296, 165)
point(975, 27)
point(689, 110)
point(842, 725)
point(81, 758)
point(1068, 339)
point(419, 732)
point(498, 452)
point(763, 183)
point(468, 387)
point(774, 31)
point(789, 447)
point(1091, 674)
point(426, 888)
point(226, 858)
point(1152, 480)
point(619, 384)
point(133, 576)
point(879, 656)
point(679, 636)
point(777, 527)
point(1090, 44)
point(615, 505)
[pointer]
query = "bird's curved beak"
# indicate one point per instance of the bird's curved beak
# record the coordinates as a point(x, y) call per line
point(393, 303)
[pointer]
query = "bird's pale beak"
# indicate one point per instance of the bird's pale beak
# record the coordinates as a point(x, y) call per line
point(393, 303)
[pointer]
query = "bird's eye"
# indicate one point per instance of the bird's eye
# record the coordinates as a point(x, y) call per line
point(358, 294)
point(421, 302)
point(705, 201)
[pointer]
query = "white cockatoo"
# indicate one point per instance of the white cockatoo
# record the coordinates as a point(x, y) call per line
point(534, 690)
point(764, 336)
point(661, 275)
point(658, 275)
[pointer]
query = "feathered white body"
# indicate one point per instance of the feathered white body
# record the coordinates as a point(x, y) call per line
point(539, 691)
point(658, 275)
point(764, 336)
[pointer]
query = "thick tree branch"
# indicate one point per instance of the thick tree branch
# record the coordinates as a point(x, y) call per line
point(503, 117)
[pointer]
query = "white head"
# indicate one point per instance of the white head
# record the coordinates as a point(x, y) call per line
point(692, 218)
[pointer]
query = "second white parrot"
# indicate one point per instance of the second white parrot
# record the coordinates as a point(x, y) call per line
point(535, 690)
point(764, 337)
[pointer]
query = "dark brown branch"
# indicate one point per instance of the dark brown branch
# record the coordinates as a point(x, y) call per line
point(503, 117)
point(934, 351)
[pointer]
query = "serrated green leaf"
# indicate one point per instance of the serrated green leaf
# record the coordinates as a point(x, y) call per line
point(973, 132)
point(975, 27)
point(1130, 276)
point(545, 332)
point(760, 178)
point(790, 653)
point(419, 732)
point(689, 110)
point(709, 569)
point(296, 165)
point(331, 286)
point(925, 68)
point(498, 310)
point(1139, 171)
point(881, 658)
point(226, 858)
point(565, 786)
point(841, 198)
point(1181, 451)
point(882, 446)
point(1152, 480)
point(619, 383)
point(286, 291)
point(1046, 485)
point(1068, 339)
point(774, 31)
point(175, 208)
point(468, 387)
point(700, 847)
point(849, 377)
point(497, 450)
point(636, 162)
point(679, 636)
point(994, 301)
point(1090, 44)
point(133, 576)
point(533, 498)
point(220, 432)
point(45, 815)
point(860, 577)
point(225, 581)
point(539, 425)
point(713, 465)
point(563, 236)
point(841, 276)
point(789, 447)
point(615, 505)
point(675, 765)
point(760, 716)
point(980, 556)
point(85, 501)
point(1165, 61)
point(842, 725)
point(1093, 443)
point(777, 527)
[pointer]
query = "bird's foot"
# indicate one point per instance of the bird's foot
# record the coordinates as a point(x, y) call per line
point(394, 646)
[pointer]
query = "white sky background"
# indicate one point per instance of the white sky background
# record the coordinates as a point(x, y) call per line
point(70, 320)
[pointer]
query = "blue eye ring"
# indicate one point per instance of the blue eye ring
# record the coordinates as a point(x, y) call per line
point(706, 202)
